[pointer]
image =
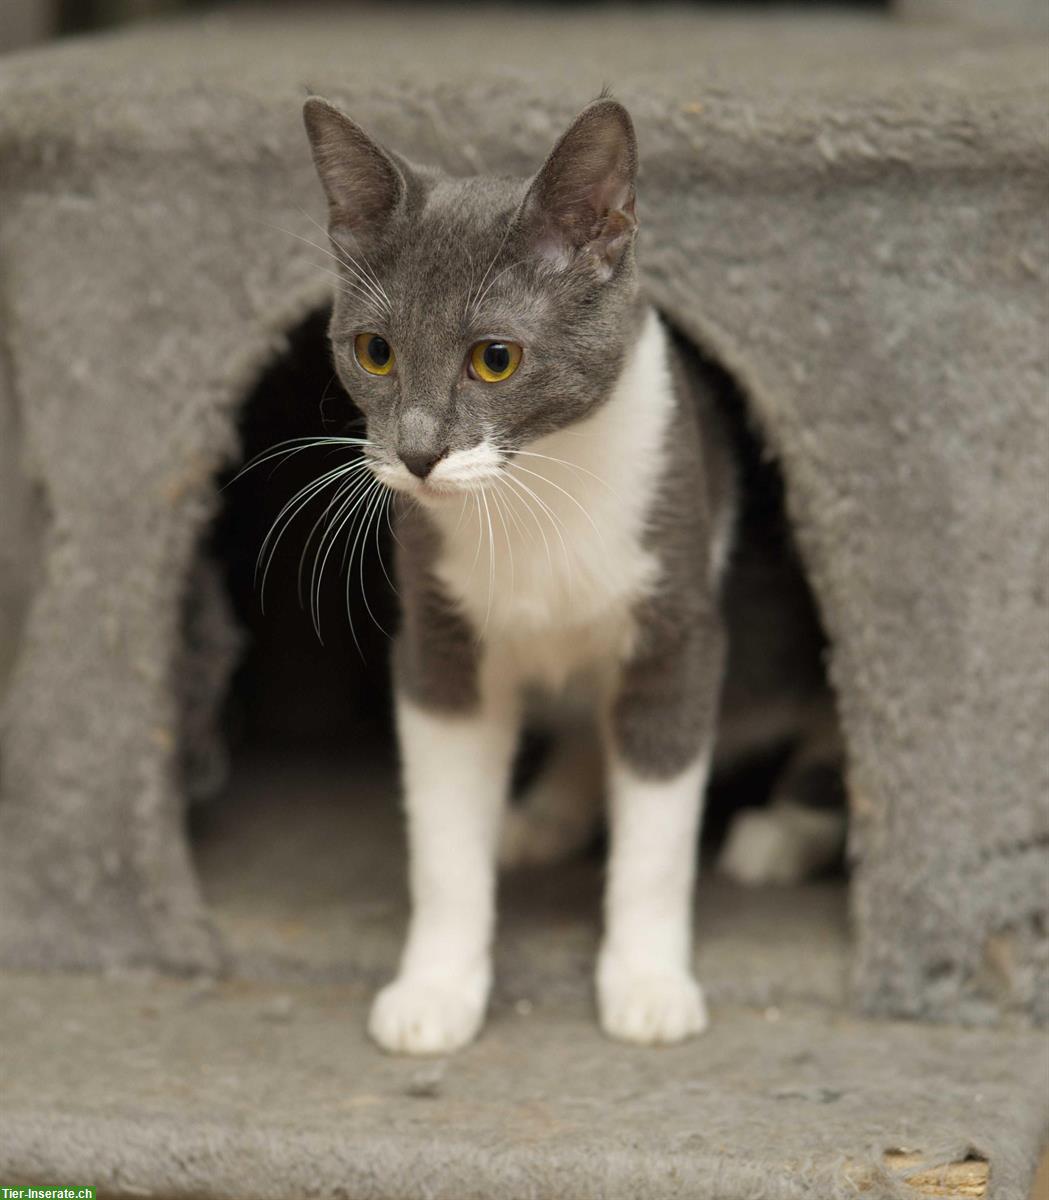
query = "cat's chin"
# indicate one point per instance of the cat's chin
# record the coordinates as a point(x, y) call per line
point(442, 493)
point(435, 494)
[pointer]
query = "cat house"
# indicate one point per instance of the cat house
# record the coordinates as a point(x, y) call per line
point(850, 222)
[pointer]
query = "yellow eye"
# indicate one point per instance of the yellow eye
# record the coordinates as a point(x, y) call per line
point(494, 361)
point(374, 353)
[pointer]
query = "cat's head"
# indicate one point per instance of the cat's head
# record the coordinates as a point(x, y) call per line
point(475, 315)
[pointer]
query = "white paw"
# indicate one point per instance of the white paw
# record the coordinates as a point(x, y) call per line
point(779, 845)
point(649, 1007)
point(530, 839)
point(413, 1016)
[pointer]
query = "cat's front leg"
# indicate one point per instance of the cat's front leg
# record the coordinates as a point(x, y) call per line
point(456, 766)
point(659, 739)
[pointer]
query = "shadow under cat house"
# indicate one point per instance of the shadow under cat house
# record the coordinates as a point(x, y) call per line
point(873, 290)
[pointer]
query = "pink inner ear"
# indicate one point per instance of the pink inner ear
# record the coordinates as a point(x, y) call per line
point(613, 193)
point(583, 198)
point(601, 226)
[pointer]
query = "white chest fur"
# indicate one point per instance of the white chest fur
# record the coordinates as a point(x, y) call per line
point(548, 564)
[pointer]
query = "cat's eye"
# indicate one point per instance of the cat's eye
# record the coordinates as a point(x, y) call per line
point(494, 361)
point(374, 353)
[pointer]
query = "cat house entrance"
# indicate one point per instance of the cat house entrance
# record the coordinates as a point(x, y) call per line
point(300, 851)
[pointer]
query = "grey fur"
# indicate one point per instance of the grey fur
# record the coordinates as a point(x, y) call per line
point(666, 710)
point(435, 653)
point(548, 263)
point(460, 260)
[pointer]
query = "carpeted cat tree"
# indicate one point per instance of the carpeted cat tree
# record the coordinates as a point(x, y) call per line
point(848, 214)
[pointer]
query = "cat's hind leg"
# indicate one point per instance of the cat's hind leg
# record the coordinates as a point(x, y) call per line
point(560, 812)
point(801, 831)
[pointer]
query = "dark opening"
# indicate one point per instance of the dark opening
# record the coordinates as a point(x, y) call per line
point(778, 734)
point(305, 687)
point(304, 693)
point(301, 851)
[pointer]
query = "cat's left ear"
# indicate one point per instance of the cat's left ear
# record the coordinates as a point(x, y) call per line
point(582, 200)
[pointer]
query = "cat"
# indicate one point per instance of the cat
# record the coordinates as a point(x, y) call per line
point(567, 494)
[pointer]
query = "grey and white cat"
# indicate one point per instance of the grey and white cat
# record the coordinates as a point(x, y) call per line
point(568, 501)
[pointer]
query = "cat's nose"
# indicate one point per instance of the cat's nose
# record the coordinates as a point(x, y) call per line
point(421, 462)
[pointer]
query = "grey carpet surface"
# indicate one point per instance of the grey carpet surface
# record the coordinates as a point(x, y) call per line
point(265, 1086)
point(158, 1087)
point(850, 215)
point(303, 866)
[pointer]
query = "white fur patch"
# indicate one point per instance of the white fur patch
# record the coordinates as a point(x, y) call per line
point(549, 559)
point(461, 471)
point(646, 992)
point(456, 770)
point(474, 467)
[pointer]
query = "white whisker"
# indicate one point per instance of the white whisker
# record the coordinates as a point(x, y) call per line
point(277, 451)
point(357, 290)
point(495, 278)
point(292, 508)
point(350, 486)
point(346, 500)
point(551, 516)
point(487, 271)
point(567, 494)
point(516, 487)
point(346, 263)
point(496, 500)
point(389, 522)
point(356, 503)
point(477, 552)
point(564, 462)
point(387, 501)
point(462, 513)
point(511, 498)
point(370, 516)
point(471, 303)
point(491, 562)
point(367, 270)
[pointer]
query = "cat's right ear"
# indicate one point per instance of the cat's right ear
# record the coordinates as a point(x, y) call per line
point(362, 183)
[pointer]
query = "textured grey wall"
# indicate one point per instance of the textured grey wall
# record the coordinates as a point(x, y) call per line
point(985, 14)
point(21, 529)
point(23, 22)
